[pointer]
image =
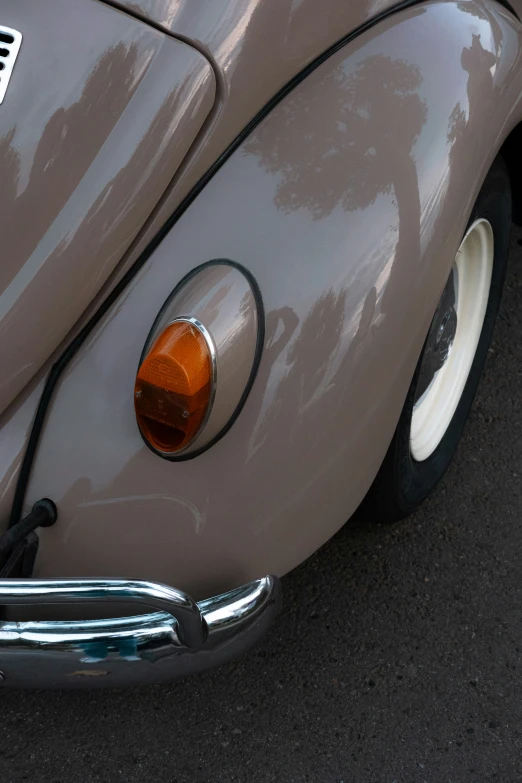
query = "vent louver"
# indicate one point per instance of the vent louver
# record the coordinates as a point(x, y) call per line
point(10, 42)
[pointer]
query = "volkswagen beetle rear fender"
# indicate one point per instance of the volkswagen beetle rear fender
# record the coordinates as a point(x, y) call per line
point(347, 204)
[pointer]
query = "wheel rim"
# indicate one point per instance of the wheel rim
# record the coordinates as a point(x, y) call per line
point(452, 341)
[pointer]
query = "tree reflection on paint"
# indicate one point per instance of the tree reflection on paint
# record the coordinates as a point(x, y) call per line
point(344, 139)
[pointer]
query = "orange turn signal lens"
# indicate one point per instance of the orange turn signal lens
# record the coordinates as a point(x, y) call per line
point(174, 387)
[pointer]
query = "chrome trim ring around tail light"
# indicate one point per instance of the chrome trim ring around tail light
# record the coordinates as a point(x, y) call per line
point(223, 302)
point(182, 638)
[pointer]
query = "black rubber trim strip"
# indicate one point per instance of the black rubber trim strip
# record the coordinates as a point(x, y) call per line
point(509, 7)
point(260, 341)
point(59, 366)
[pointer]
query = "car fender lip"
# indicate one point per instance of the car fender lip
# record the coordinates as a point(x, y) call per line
point(184, 637)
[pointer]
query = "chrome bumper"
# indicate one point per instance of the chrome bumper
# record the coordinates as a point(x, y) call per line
point(179, 638)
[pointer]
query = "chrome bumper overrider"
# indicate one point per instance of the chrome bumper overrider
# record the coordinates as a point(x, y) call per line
point(179, 638)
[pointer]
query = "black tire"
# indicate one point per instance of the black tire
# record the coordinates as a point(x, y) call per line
point(402, 483)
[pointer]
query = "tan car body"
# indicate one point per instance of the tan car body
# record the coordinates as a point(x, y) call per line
point(86, 155)
point(346, 199)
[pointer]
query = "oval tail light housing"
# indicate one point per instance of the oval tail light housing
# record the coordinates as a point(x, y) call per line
point(200, 360)
point(175, 386)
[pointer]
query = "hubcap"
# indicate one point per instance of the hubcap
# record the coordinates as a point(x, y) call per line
point(440, 337)
point(452, 340)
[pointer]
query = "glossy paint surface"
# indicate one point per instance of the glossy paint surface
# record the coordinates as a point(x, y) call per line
point(100, 111)
point(256, 47)
point(348, 204)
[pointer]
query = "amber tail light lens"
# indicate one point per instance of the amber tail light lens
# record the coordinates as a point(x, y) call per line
point(174, 387)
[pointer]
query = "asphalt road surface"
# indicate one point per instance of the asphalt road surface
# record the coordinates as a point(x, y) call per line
point(397, 658)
